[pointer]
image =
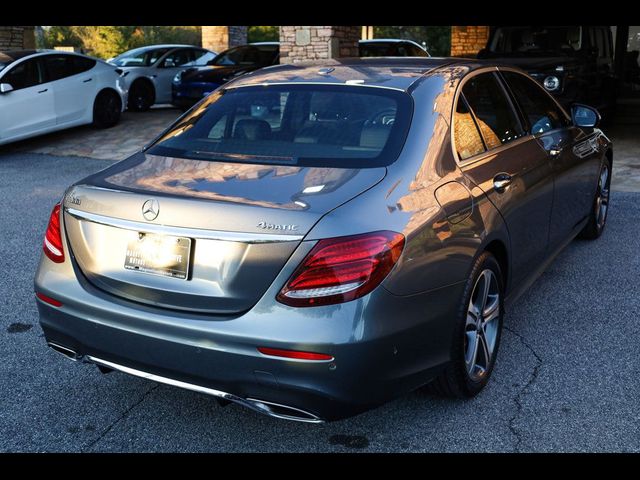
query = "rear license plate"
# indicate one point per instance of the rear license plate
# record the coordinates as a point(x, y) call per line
point(159, 255)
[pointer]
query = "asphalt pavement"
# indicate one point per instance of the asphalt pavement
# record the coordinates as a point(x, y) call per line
point(566, 379)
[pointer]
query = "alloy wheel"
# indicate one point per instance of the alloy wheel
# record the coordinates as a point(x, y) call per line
point(481, 329)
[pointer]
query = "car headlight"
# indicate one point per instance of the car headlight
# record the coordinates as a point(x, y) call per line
point(551, 83)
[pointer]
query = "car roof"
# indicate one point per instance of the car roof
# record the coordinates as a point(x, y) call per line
point(265, 43)
point(390, 72)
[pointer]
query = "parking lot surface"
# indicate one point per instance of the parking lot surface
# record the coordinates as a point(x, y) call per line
point(566, 377)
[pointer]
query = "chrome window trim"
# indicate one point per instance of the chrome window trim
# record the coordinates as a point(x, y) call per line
point(483, 155)
point(196, 233)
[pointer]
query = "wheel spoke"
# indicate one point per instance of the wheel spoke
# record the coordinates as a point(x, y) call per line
point(484, 349)
point(471, 352)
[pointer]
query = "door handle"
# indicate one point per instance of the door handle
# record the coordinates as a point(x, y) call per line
point(87, 80)
point(42, 91)
point(501, 182)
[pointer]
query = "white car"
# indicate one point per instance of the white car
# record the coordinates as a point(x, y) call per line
point(149, 71)
point(46, 90)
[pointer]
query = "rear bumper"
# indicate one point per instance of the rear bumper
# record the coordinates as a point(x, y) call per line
point(377, 355)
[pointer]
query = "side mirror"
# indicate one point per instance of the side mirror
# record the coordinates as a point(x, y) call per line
point(584, 116)
point(5, 87)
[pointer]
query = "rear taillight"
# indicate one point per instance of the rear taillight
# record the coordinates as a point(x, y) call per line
point(52, 245)
point(341, 269)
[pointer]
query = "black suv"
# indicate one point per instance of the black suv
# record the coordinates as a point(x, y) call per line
point(574, 63)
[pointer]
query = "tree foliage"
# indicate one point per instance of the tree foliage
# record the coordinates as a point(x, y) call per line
point(108, 41)
point(263, 34)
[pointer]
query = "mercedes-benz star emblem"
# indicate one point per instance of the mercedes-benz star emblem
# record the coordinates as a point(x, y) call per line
point(150, 209)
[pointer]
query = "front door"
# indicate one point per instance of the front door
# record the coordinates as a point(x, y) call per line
point(508, 165)
point(29, 107)
point(571, 155)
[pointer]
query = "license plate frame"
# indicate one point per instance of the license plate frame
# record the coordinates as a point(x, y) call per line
point(158, 254)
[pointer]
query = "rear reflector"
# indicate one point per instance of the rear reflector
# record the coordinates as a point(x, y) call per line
point(49, 300)
point(341, 269)
point(52, 244)
point(275, 352)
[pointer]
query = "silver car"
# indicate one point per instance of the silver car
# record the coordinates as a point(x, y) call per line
point(149, 71)
point(310, 241)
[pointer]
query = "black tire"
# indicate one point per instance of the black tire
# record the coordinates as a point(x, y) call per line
point(141, 96)
point(107, 108)
point(598, 218)
point(456, 381)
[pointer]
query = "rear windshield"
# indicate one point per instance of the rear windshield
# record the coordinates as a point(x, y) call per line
point(304, 125)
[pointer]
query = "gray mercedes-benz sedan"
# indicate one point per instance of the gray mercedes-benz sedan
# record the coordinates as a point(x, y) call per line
point(311, 240)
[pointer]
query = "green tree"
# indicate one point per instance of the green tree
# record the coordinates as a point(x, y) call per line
point(263, 34)
point(108, 41)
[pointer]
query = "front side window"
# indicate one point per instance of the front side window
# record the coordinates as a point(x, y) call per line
point(496, 119)
point(179, 58)
point(304, 125)
point(140, 58)
point(538, 107)
point(24, 75)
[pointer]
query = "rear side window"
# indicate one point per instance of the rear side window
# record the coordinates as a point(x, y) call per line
point(465, 131)
point(306, 125)
point(493, 112)
point(541, 112)
point(25, 74)
point(81, 64)
point(62, 66)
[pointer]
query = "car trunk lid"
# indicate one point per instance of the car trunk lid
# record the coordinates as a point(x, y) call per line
point(238, 223)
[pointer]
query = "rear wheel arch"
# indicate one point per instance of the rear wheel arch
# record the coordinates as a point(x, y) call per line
point(499, 250)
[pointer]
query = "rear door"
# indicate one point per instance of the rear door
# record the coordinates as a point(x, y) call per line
point(499, 156)
point(29, 108)
point(572, 155)
point(74, 84)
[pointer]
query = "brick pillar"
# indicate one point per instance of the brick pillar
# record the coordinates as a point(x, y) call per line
point(221, 38)
point(17, 38)
point(298, 44)
point(468, 41)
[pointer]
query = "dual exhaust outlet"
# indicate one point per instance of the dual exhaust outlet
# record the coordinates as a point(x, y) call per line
point(270, 409)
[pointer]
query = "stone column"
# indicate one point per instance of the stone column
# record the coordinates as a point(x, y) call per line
point(298, 43)
point(221, 38)
point(17, 38)
point(468, 41)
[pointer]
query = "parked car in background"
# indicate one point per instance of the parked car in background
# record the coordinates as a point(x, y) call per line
point(574, 63)
point(46, 90)
point(191, 85)
point(148, 71)
point(311, 241)
point(391, 47)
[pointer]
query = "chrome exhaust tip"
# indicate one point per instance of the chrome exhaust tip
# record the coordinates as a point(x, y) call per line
point(271, 409)
point(67, 352)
